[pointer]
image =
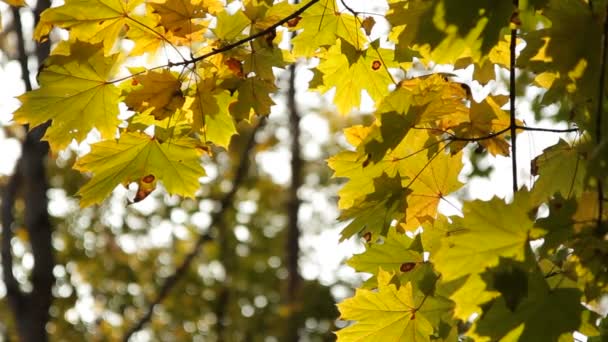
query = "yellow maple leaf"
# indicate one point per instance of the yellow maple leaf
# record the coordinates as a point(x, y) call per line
point(75, 92)
point(158, 91)
point(390, 314)
point(93, 21)
point(137, 157)
point(184, 19)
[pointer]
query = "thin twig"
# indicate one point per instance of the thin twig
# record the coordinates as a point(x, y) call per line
point(551, 130)
point(216, 219)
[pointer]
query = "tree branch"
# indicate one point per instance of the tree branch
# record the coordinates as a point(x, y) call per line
point(598, 123)
point(216, 220)
point(228, 47)
point(551, 130)
point(512, 89)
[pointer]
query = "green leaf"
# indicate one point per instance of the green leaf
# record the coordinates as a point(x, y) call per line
point(230, 27)
point(137, 157)
point(209, 105)
point(505, 230)
point(351, 70)
point(76, 94)
point(322, 24)
point(543, 315)
point(391, 255)
point(253, 98)
point(562, 169)
point(378, 209)
point(445, 31)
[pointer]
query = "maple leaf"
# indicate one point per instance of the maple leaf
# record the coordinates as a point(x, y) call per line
point(229, 26)
point(377, 210)
point(470, 296)
point(485, 118)
point(350, 71)
point(253, 97)
point(390, 255)
point(209, 106)
point(184, 18)
point(505, 230)
point(263, 58)
point(390, 314)
point(93, 21)
point(543, 314)
point(562, 169)
point(157, 91)
point(321, 25)
point(566, 64)
point(430, 184)
point(135, 156)
point(76, 94)
point(444, 30)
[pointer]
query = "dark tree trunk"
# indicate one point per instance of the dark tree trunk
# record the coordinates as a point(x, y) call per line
point(292, 242)
point(30, 309)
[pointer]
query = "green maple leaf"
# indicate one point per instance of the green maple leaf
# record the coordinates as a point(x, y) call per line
point(391, 255)
point(209, 105)
point(503, 229)
point(230, 27)
point(378, 209)
point(321, 25)
point(567, 64)
point(449, 29)
point(253, 98)
point(137, 157)
point(470, 296)
point(351, 70)
point(93, 21)
point(76, 94)
point(562, 169)
point(390, 314)
point(349, 164)
point(264, 58)
point(544, 314)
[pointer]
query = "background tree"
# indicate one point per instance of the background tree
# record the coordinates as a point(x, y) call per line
point(501, 269)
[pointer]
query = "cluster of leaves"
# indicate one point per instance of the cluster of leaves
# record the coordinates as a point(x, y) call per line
point(475, 274)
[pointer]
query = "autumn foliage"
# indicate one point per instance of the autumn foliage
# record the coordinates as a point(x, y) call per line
point(529, 268)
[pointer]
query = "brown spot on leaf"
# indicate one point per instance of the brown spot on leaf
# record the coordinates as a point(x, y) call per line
point(270, 37)
point(294, 21)
point(376, 65)
point(235, 66)
point(368, 236)
point(407, 266)
point(148, 179)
